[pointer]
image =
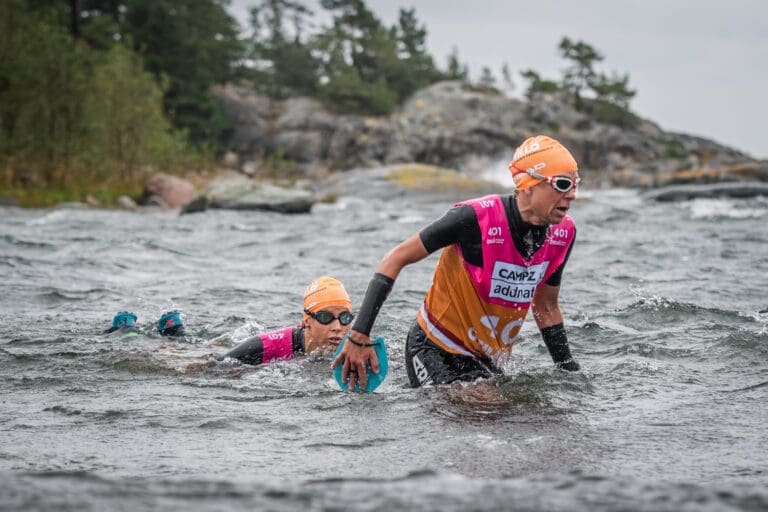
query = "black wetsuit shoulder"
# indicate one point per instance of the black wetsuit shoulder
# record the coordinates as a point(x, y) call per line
point(251, 351)
point(460, 225)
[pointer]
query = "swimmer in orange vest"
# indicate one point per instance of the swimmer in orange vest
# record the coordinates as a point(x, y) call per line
point(501, 256)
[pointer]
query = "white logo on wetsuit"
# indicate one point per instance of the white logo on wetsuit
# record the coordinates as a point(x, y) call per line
point(516, 282)
point(491, 322)
point(422, 375)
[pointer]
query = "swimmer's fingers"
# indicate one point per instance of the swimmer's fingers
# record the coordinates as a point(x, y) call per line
point(374, 361)
point(368, 356)
point(353, 378)
point(339, 360)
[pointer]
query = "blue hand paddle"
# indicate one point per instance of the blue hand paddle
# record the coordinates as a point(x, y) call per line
point(373, 379)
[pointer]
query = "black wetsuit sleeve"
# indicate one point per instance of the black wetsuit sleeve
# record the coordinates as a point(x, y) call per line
point(377, 292)
point(297, 340)
point(557, 344)
point(459, 224)
point(251, 351)
point(557, 275)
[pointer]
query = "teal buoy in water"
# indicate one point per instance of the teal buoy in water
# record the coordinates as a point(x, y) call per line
point(374, 379)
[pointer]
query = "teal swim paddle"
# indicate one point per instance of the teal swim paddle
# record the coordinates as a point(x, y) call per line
point(374, 379)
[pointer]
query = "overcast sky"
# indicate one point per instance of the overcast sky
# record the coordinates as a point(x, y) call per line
point(699, 66)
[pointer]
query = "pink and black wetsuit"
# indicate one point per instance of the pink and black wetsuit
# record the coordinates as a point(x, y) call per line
point(269, 346)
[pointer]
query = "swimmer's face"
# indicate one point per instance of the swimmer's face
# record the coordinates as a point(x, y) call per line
point(326, 337)
point(547, 205)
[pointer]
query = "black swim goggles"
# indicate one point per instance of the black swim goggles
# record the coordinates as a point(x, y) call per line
point(559, 183)
point(326, 317)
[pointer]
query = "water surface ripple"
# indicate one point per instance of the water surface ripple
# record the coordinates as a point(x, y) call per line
point(665, 306)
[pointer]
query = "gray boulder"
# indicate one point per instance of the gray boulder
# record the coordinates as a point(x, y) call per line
point(418, 180)
point(250, 114)
point(174, 192)
point(237, 192)
point(126, 203)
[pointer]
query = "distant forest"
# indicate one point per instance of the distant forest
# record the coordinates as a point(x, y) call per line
point(105, 91)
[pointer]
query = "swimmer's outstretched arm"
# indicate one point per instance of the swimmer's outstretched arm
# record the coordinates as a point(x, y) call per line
point(251, 351)
point(360, 351)
point(549, 318)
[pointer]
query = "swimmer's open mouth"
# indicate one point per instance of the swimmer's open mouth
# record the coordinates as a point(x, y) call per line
point(334, 341)
point(563, 209)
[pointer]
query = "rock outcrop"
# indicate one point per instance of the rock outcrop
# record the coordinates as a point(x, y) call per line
point(168, 191)
point(453, 125)
point(685, 192)
point(237, 192)
point(404, 180)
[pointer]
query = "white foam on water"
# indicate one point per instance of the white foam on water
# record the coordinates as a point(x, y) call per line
point(724, 209)
point(498, 171)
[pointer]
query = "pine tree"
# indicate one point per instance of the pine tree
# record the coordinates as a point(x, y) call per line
point(578, 75)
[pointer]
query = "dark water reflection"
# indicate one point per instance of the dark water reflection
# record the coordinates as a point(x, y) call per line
point(666, 309)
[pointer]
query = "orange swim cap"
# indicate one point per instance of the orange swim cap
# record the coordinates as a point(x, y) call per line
point(543, 155)
point(325, 292)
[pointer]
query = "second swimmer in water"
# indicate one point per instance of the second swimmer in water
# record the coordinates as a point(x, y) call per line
point(326, 319)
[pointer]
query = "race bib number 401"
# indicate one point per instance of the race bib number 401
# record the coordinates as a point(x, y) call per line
point(516, 283)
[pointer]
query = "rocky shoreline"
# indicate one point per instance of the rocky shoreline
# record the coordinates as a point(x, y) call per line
point(455, 126)
point(287, 155)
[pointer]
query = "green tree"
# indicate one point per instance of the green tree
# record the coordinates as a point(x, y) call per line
point(285, 64)
point(614, 90)
point(506, 76)
point(580, 73)
point(360, 67)
point(537, 84)
point(195, 45)
point(71, 113)
point(418, 68)
point(487, 79)
point(43, 76)
point(127, 127)
point(456, 70)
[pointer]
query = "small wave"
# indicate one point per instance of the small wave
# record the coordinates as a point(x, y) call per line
point(221, 423)
point(382, 441)
point(107, 415)
point(150, 244)
point(745, 341)
point(655, 311)
point(140, 364)
point(748, 388)
point(424, 489)
point(55, 295)
point(712, 209)
point(19, 242)
point(521, 397)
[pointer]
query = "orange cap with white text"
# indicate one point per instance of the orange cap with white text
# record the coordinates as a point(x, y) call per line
point(325, 292)
point(543, 155)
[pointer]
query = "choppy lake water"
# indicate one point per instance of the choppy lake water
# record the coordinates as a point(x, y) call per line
point(666, 309)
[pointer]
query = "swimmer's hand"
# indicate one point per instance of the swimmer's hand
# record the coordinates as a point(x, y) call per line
point(355, 355)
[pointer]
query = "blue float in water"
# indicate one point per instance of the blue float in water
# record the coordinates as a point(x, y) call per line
point(374, 379)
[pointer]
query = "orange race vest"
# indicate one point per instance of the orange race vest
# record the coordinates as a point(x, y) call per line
point(478, 311)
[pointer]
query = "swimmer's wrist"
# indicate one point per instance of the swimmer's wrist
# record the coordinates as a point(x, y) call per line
point(377, 292)
point(556, 342)
point(358, 343)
